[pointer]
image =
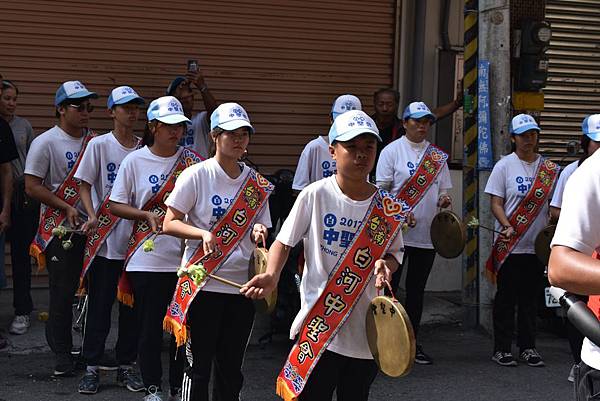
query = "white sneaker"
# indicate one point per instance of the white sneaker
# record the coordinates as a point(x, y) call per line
point(153, 394)
point(19, 325)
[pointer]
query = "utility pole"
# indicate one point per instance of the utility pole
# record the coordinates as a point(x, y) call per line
point(470, 275)
point(494, 47)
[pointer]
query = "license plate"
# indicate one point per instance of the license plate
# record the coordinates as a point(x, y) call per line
point(551, 302)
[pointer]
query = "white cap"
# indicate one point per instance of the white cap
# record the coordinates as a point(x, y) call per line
point(168, 110)
point(72, 90)
point(343, 104)
point(591, 127)
point(230, 116)
point(352, 124)
point(122, 95)
point(522, 123)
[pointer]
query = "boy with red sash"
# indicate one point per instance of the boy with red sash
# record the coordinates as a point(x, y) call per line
point(574, 262)
point(49, 177)
point(417, 173)
point(221, 208)
point(106, 244)
point(353, 240)
point(520, 187)
point(144, 180)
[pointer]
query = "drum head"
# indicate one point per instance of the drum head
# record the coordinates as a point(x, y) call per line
point(448, 234)
point(542, 243)
point(258, 265)
point(391, 337)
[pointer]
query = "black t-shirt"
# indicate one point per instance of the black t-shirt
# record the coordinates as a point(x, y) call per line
point(8, 149)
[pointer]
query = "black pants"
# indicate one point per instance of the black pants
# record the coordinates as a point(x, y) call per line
point(64, 267)
point(587, 383)
point(419, 262)
point(22, 231)
point(351, 378)
point(220, 327)
point(152, 294)
point(102, 279)
point(519, 283)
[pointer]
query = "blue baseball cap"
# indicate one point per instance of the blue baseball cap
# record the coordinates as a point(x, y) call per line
point(523, 123)
point(72, 90)
point(352, 124)
point(343, 104)
point(591, 127)
point(230, 116)
point(168, 110)
point(122, 95)
point(174, 85)
point(417, 110)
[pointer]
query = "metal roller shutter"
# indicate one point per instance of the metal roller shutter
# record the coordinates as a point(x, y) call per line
point(285, 61)
point(573, 89)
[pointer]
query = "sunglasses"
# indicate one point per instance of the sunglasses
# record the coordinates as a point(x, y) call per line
point(82, 107)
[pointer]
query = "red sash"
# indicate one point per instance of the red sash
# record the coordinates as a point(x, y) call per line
point(415, 188)
point(347, 281)
point(141, 229)
point(524, 215)
point(106, 223)
point(229, 230)
point(51, 218)
point(594, 300)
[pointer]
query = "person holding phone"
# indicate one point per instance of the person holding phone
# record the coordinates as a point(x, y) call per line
point(196, 135)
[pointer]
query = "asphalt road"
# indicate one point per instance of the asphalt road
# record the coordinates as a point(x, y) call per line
point(462, 370)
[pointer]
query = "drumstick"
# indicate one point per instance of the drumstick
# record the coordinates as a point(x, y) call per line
point(474, 223)
point(224, 280)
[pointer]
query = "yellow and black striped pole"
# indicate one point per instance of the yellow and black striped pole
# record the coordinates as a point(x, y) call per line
point(470, 175)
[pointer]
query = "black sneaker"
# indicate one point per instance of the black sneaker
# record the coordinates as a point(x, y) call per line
point(64, 365)
point(421, 357)
point(89, 383)
point(532, 357)
point(128, 377)
point(504, 358)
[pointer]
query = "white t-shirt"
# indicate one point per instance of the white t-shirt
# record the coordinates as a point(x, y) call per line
point(98, 168)
point(204, 192)
point(314, 164)
point(560, 184)
point(197, 135)
point(51, 157)
point(511, 179)
point(398, 161)
point(140, 176)
point(577, 227)
point(327, 220)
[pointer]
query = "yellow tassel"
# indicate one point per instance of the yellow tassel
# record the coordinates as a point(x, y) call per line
point(40, 257)
point(283, 390)
point(180, 332)
point(491, 276)
point(125, 298)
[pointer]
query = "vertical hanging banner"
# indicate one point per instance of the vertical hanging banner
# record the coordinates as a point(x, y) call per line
point(485, 160)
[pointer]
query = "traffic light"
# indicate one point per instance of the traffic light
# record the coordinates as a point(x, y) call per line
point(533, 61)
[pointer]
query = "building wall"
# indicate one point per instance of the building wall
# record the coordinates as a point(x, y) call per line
point(284, 61)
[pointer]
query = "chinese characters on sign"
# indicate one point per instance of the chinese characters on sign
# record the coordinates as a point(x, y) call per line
point(484, 142)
